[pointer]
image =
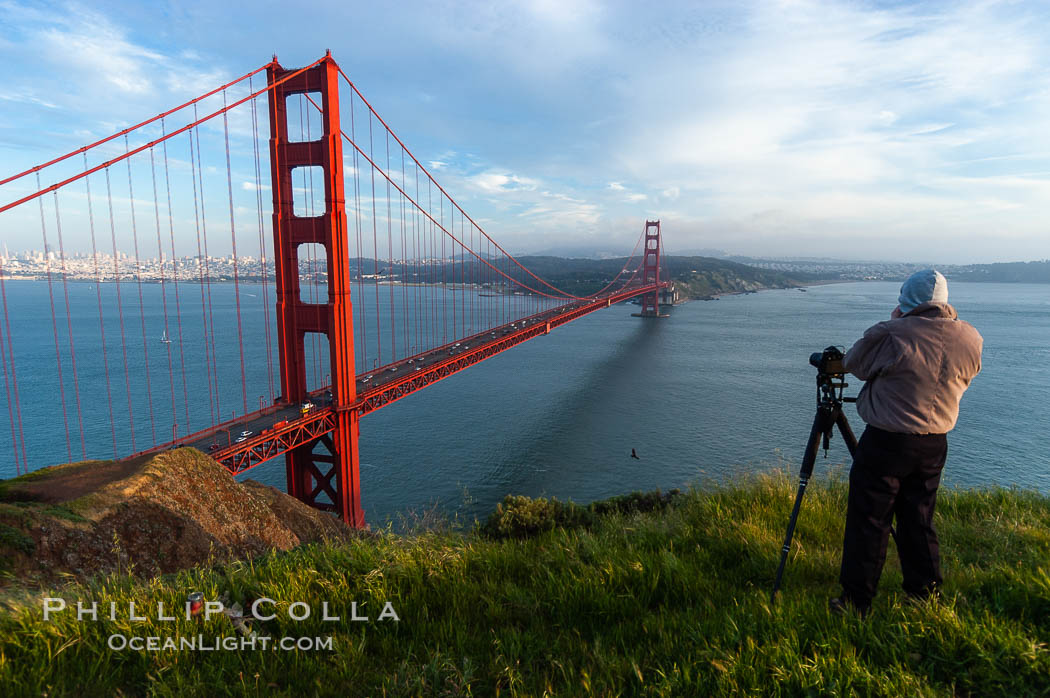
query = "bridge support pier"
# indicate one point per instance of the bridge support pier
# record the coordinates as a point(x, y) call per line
point(651, 270)
point(324, 472)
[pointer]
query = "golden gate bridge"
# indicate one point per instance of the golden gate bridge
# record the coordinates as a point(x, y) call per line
point(381, 282)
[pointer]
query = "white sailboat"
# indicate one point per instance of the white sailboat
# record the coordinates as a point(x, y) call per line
point(164, 338)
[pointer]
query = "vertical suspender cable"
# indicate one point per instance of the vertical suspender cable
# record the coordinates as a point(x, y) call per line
point(265, 295)
point(360, 313)
point(444, 290)
point(101, 321)
point(142, 307)
point(212, 409)
point(417, 287)
point(390, 258)
point(120, 309)
point(69, 328)
point(164, 294)
point(404, 264)
point(233, 244)
point(463, 282)
point(7, 385)
point(493, 305)
point(175, 281)
point(14, 373)
point(375, 244)
point(10, 404)
point(432, 300)
point(210, 336)
point(456, 334)
point(54, 323)
point(375, 247)
point(463, 276)
point(473, 289)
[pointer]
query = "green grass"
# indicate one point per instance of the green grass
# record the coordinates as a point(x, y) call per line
point(663, 600)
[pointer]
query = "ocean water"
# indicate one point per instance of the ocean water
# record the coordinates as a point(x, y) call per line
point(718, 389)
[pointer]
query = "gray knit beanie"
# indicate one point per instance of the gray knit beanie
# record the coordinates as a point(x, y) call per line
point(925, 286)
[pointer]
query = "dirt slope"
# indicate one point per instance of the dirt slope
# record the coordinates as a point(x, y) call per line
point(153, 514)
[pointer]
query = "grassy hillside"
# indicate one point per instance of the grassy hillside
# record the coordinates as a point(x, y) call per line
point(644, 596)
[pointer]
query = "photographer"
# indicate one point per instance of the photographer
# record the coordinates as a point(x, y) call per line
point(916, 367)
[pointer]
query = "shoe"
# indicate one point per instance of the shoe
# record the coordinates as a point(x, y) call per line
point(842, 606)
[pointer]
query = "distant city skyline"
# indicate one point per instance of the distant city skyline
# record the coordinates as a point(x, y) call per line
point(900, 131)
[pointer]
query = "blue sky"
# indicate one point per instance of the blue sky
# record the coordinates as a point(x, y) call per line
point(865, 130)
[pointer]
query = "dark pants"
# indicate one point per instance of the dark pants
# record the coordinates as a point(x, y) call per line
point(892, 474)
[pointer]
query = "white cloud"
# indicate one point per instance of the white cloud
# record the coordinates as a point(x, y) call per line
point(491, 182)
point(96, 47)
point(27, 98)
point(886, 117)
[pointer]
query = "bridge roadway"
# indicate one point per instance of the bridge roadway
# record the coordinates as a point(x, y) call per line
point(248, 440)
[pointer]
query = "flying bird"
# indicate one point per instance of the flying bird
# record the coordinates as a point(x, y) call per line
point(634, 455)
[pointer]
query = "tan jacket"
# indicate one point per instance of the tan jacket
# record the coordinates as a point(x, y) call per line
point(916, 367)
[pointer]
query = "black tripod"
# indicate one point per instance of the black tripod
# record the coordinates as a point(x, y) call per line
point(830, 384)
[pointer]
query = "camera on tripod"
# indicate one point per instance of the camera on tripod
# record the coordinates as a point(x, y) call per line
point(828, 362)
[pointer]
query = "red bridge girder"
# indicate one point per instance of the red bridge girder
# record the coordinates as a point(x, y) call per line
point(271, 443)
point(277, 441)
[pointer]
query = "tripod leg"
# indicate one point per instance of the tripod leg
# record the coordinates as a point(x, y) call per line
point(846, 431)
point(822, 423)
point(787, 538)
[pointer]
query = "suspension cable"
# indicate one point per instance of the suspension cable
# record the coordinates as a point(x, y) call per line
point(197, 121)
point(233, 244)
point(142, 307)
point(175, 280)
point(54, 326)
point(69, 329)
point(128, 129)
point(101, 321)
point(120, 308)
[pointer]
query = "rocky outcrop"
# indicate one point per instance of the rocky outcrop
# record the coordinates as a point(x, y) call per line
point(150, 515)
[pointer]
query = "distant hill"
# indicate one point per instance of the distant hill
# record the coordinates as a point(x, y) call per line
point(1024, 272)
point(696, 277)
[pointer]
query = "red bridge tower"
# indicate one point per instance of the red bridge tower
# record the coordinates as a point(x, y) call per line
point(332, 472)
point(651, 269)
